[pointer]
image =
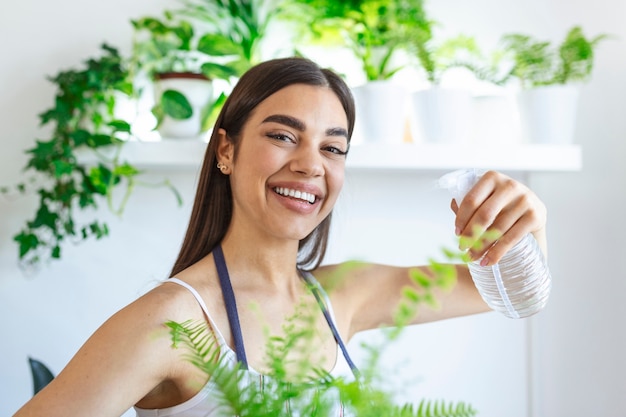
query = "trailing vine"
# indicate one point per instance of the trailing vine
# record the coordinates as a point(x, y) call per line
point(84, 122)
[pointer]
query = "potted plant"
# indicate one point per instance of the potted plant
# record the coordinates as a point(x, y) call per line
point(84, 119)
point(376, 32)
point(181, 68)
point(442, 114)
point(550, 78)
point(190, 47)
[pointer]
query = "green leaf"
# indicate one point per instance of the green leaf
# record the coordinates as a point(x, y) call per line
point(212, 111)
point(44, 218)
point(100, 178)
point(218, 45)
point(120, 126)
point(56, 252)
point(176, 105)
point(126, 170)
point(27, 241)
point(42, 153)
point(99, 140)
point(421, 279)
point(80, 137)
point(62, 167)
point(218, 71)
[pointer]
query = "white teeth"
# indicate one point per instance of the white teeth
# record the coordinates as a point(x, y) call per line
point(302, 195)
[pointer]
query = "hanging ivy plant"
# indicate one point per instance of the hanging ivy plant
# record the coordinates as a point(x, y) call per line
point(83, 120)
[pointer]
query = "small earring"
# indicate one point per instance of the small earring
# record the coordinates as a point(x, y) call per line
point(221, 167)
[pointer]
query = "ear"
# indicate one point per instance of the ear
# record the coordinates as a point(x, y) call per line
point(225, 149)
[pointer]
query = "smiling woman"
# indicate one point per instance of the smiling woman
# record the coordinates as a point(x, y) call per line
point(252, 256)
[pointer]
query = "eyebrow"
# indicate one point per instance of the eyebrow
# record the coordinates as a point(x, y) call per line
point(300, 126)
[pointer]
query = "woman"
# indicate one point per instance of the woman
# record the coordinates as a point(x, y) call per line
point(272, 172)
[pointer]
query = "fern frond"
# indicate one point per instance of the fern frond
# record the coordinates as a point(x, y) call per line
point(437, 408)
point(197, 337)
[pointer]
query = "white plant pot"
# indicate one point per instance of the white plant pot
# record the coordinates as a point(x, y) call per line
point(198, 92)
point(495, 120)
point(381, 112)
point(548, 114)
point(442, 115)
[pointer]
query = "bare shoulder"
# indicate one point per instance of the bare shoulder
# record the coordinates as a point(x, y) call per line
point(123, 361)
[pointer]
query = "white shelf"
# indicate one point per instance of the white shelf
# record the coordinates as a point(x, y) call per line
point(188, 154)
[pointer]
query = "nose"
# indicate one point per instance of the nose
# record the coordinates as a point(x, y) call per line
point(308, 161)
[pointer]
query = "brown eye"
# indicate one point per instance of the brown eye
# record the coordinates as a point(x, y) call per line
point(334, 150)
point(280, 137)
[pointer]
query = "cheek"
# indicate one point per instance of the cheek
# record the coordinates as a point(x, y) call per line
point(336, 181)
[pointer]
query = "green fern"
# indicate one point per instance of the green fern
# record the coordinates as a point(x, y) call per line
point(438, 408)
point(292, 386)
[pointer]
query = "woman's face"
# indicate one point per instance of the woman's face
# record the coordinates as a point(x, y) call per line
point(290, 163)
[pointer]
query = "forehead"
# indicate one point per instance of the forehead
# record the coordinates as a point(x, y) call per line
point(306, 102)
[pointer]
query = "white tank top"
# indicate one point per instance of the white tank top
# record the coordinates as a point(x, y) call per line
point(206, 402)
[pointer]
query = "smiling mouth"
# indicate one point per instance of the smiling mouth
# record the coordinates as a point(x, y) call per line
point(300, 195)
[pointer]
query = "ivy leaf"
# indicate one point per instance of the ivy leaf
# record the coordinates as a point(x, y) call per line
point(41, 155)
point(176, 105)
point(56, 252)
point(27, 242)
point(96, 141)
point(99, 230)
point(44, 217)
point(62, 167)
point(80, 137)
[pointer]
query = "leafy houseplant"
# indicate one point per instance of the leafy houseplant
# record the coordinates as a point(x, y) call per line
point(204, 39)
point(169, 48)
point(83, 119)
point(549, 77)
point(372, 29)
point(292, 386)
point(375, 31)
point(537, 63)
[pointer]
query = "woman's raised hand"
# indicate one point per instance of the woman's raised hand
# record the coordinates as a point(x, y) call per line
point(495, 214)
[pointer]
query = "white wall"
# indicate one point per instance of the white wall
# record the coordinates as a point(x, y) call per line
point(579, 340)
point(576, 367)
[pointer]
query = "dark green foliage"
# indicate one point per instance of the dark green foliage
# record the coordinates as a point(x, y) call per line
point(82, 118)
point(42, 376)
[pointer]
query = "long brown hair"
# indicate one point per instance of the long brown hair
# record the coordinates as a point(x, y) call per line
point(213, 205)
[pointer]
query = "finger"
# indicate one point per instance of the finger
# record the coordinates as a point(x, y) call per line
point(454, 206)
point(502, 223)
point(475, 198)
point(505, 243)
point(482, 207)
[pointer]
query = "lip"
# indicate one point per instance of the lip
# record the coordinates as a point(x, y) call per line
point(297, 204)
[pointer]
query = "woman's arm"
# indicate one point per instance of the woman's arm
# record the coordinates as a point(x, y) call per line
point(367, 295)
point(128, 356)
